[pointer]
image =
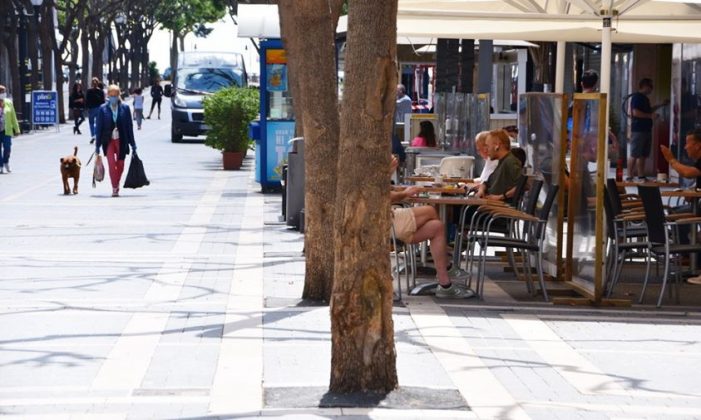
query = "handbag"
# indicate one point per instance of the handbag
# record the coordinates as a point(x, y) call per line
point(136, 177)
point(98, 172)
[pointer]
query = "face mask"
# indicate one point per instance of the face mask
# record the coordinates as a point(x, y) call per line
point(114, 100)
point(3, 95)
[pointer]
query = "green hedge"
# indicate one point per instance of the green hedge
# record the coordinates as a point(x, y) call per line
point(228, 113)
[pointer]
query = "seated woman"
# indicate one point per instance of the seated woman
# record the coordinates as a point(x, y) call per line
point(426, 137)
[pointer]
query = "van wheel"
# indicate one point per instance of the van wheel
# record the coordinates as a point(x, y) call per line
point(175, 137)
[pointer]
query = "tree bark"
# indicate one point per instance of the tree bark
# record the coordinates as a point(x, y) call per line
point(362, 332)
point(309, 30)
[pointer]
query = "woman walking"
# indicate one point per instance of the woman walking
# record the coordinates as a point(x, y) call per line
point(9, 126)
point(94, 98)
point(138, 106)
point(76, 102)
point(156, 97)
point(115, 134)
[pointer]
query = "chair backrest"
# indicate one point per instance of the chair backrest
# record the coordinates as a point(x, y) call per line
point(544, 214)
point(548, 204)
point(614, 196)
point(608, 209)
point(520, 190)
point(533, 193)
point(654, 213)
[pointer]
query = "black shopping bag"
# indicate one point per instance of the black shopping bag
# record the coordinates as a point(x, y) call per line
point(136, 177)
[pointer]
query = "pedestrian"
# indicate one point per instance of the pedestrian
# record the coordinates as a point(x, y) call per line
point(156, 97)
point(642, 118)
point(94, 98)
point(426, 137)
point(76, 102)
point(138, 106)
point(9, 126)
point(403, 106)
point(114, 135)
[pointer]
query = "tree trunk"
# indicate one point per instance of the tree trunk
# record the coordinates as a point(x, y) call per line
point(309, 30)
point(85, 49)
point(47, 37)
point(362, 332)
point(174, 51)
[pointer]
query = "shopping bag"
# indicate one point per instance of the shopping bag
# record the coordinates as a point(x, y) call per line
point(98, 172)
point(136, 177)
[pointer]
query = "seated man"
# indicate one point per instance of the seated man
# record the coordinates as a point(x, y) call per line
point(417, 224)
point(693, 149)
point(501, 184)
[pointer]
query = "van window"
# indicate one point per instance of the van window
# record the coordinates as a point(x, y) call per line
point(207, 79)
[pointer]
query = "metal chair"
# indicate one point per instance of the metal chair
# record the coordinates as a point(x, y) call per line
point(620, 232)
point(530, 241)
point(661, 237)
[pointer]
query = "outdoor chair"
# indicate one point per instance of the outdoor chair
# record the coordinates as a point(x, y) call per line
point(404, 256)
point(530, 240)
point(625, 240)
point(504, 229)
point(662, 238)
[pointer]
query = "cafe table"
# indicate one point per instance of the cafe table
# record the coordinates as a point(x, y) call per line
point(444, 179)
point(648, 184)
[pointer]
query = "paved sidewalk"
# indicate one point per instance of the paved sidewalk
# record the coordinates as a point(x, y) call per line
point(181, 300)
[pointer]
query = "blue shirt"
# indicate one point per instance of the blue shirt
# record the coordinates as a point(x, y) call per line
point(640, 102)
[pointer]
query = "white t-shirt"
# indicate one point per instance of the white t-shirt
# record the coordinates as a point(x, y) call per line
point(138, 101)
point(489, 166)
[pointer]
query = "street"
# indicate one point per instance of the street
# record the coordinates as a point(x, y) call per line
point(86, 279)
point(182, 300)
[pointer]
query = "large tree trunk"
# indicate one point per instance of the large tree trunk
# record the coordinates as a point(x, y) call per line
point(47, 35)
point(309, 30)
point(362, 332)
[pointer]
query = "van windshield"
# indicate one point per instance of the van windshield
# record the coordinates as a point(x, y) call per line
point(205, 80)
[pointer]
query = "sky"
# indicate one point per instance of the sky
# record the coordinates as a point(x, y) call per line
point(224, 38)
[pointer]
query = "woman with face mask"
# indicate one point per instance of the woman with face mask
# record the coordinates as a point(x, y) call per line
point(114, 134)
point(8, 126)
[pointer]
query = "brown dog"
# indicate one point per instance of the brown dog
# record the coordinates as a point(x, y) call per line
point(70, 168)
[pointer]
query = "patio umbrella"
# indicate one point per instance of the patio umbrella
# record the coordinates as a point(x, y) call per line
point(625, 21)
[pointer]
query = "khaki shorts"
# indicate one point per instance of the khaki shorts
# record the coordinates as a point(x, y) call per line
point(404, 224)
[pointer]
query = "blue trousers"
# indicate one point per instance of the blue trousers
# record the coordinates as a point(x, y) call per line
point(6, 148)
point(92, 116)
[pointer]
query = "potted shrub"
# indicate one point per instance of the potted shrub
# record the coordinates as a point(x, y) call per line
point(228, 113)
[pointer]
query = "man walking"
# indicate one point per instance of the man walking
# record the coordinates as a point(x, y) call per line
point(642, 118)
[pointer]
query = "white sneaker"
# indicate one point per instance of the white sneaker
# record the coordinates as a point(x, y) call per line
point(1, 171)
point(7, 168)
point(455, 291)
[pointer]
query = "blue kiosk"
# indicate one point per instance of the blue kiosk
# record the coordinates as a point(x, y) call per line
point(276, 126)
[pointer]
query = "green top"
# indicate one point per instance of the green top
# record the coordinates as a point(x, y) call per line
point(505, 175)
point(11, 124)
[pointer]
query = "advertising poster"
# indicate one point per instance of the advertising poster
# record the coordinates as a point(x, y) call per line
point(44, 107)
point(277, 77)
point(276, 68)
point(279, 134)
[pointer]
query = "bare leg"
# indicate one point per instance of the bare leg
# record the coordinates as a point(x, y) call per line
point(641, 166)
point(429, 227)
point(631, 167)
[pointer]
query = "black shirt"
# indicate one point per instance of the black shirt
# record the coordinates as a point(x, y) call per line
point(156, 91)
point(95, 97)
